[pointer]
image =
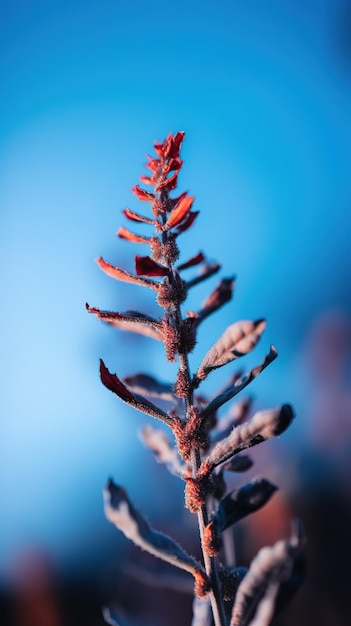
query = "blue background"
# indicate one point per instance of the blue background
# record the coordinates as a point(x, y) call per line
point(262, 90)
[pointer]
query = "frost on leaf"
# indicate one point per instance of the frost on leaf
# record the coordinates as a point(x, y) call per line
point(237, 340)
point(114, 384)
point(271, 566)
point(240, 384)
point(262, 426)
point(120, 511)
point(131, 320)
point(243, 501)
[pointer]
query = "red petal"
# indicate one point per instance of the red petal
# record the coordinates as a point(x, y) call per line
point(181, 210)
point(113, 383)
point(124, 233)
point(145, 266)
point(135, 217)
point(190, 218)
point(142, 194)
point(195, 260)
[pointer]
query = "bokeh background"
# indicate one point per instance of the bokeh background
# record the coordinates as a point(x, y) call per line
point(263, 91)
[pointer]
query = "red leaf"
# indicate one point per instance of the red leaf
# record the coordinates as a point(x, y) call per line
point(124, 233)
point(179, 212)
point(142, 194)
point(113, 383)
point(145, 266)
point(119, 274)
point(173, 145)
point(190, 218)
point(174, 164)
point(146, 180)
point(195, 260)
point(135, 217)
point(174, 201)
point(153, 164)
point(170, 183)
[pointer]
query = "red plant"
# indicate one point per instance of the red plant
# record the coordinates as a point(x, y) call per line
point(205, 450)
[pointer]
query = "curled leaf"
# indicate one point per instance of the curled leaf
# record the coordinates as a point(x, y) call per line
point(262, 426)
point(187, 222)
point(219, 296)
point(124, 233)
point(237, 340)
point(195, 260)
point(131, 320)
point(120, 511)
point(233, 390)
point(140, 193)
point(150, 386)
point(119, 274)
point(145, 266)
point(114, 384)
point(270, 567)
point(243, 501)
point(208, 270)
point(239, 463)
point(179, 212)
point(165, 453)
point(135, 217)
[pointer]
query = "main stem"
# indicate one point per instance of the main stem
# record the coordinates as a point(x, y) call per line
point(211, 564)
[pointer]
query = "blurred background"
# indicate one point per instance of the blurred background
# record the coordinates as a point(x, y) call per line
point(263, 92)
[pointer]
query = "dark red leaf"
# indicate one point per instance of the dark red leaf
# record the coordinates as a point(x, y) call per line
point(174, 164)
point(113, 383)
point(189, 220)
point(173, 144)
point(179, 212)
point(195, 260)
point(145, 266)
point(124, 233)
point(175, 201)
point(142, 194)
point(135, 217)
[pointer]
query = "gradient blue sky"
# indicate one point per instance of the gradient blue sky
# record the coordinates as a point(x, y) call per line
point(262, 90)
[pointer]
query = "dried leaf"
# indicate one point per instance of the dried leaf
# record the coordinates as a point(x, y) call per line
point(243, 501)
point(135, 217)
point(145, 266)
point(208, 270)
point(233, 390)
point(119, 274)
point(179, 212)
point(132, 321)
point(262, 426)
point(150, 386)
point(187, 222)
point(237, 340)
point(120, 511)
point(239, 463)
point(124, 233)
point(195, 260)
point(140, 193)
point(220, 296)
point(271, 566)
point(165, 453)
point(239, 413)
point(114, 384)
